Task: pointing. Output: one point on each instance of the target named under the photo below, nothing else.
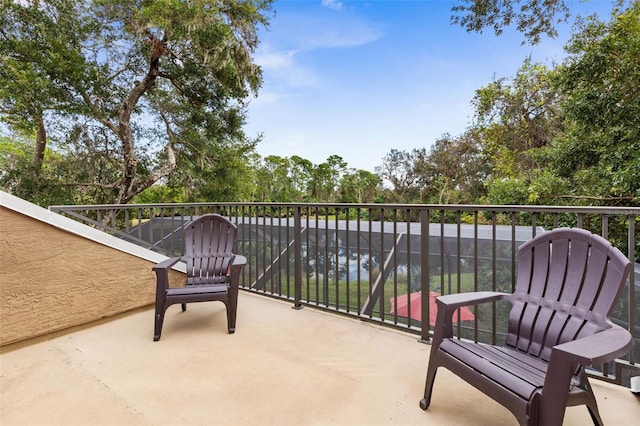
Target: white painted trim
(26, 208)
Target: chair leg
(595, 415)
(585, 396)
(428, 388)
(232, 303)
(592, 406)
(231, 319)
(184, 307)
(158, 323)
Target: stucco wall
(51, 279)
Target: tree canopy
(600, 152)
(570, 134)
(533, 18)
(133, 89)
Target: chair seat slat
(489, 365)
(197, 289)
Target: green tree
(134, 89)
(359, 186)
(516, 121)
(600, 152)
(159, 193)
(323, 178)
(533, 18)
(43, 184)
(514, 117)
(277, 182)
(301, 176)
(458, 168)
(336, 169)
(321, 184)
(408, 174)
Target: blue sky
(359, 78)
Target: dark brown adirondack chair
(213, 271)
(568, 281)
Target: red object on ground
(401, 305)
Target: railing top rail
(613, 210)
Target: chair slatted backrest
(209, 244)
(568, 281)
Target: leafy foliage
(295, 179)
(406, 172)
(515, 118)
(533, 18)
(600, 152)
(134, 89)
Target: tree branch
(166, 169)
(96, 113)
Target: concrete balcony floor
(281, 367)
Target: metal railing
(375, 261)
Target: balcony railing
(375, 261)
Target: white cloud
(333, 31)
(332, 4)
(357, 33)
(286, 47)
(274, 60)
(281, 66)
(304, 32)
(266, 98)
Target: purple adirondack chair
(567, 284)
(213, 271)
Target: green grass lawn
(343, 291)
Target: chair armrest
(166, 264)
(162, 272)
(234, 277)
(598, 348)
(449, 303)
(235, 267)
(239, 260)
